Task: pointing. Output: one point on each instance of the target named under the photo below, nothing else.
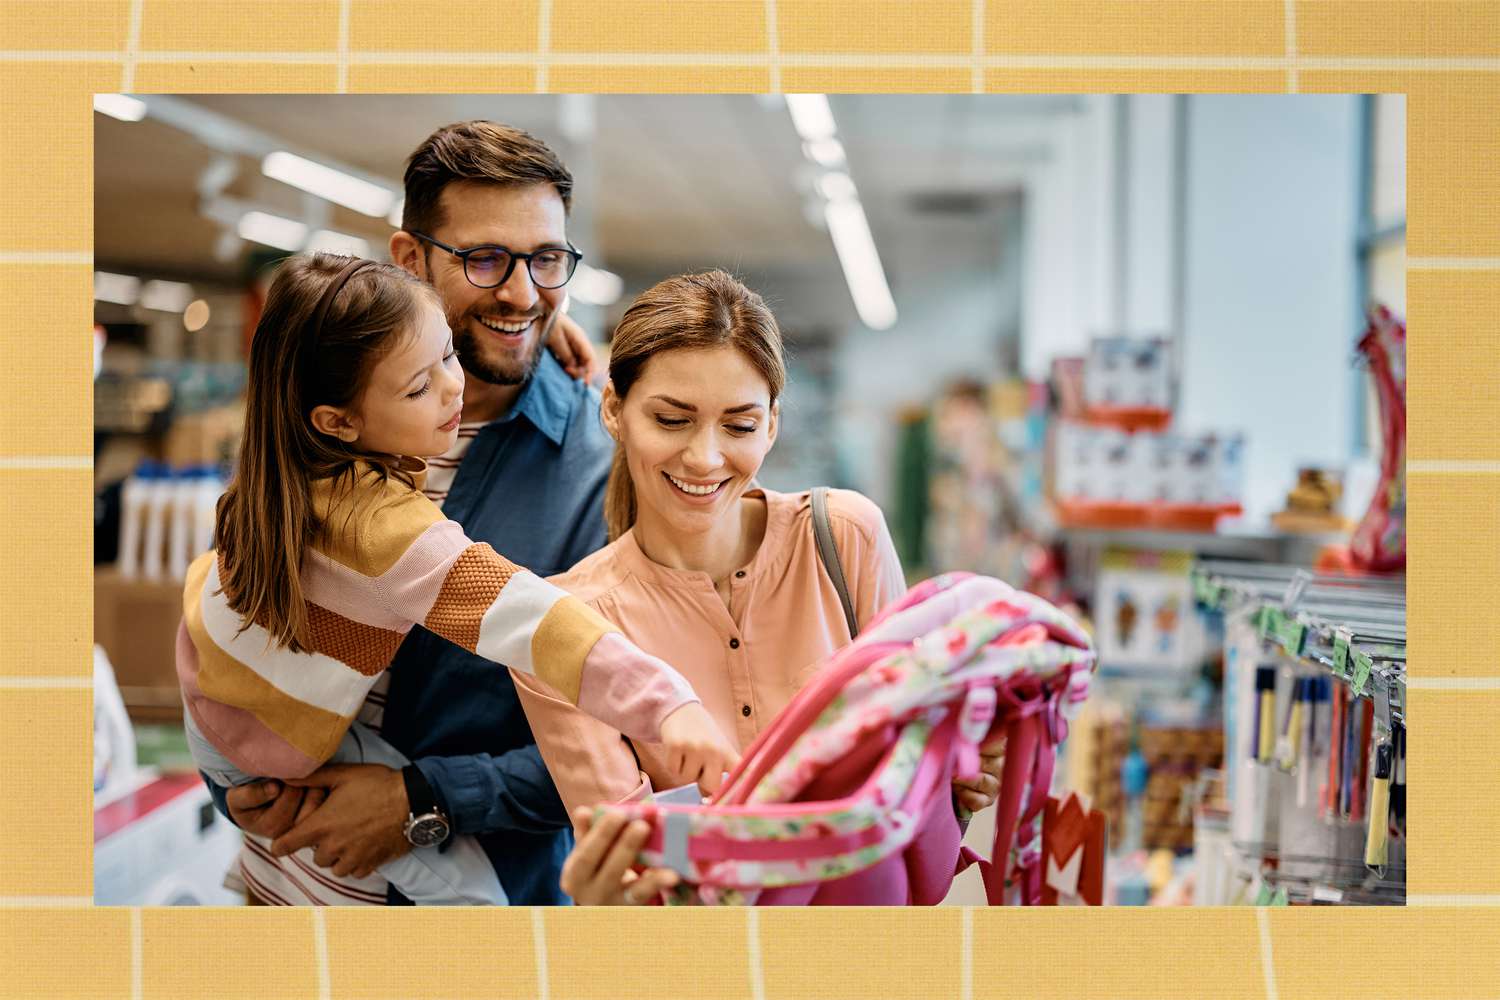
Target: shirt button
(745, 711)
(734, 644)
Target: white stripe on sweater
(311, 678)
(509, 624)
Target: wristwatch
(426, 826)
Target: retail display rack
(1353, 626)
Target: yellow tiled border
(1445, 55)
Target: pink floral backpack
(845, 798)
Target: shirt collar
(547, 399)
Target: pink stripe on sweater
(400, 596)
(629, 688)
(250, 744)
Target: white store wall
(1270, 281)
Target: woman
(703, 564)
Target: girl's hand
(696, 749)
(981, 792)
(598, 872)
(574, 352)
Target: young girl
(328, 554)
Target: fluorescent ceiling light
(861, 263)
(127, 109)
(824, 152)
(596, 287)
(811, 116)
(166, 296)
(272, 230)
(328, 241)
(120, 289)
(395, 217)
(837, 186)
(328, 183)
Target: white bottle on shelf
(181, 513)
(158, 505)
(207, 490)
(132, 518)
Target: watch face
(427, 831)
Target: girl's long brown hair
(692, 311)
(265, 521)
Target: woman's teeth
(697, 491)
(500, 327)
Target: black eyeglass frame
(463, 256)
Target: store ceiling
(676, 182)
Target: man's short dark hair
(479, 151)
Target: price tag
(1290, 633)
(1341, 652)
(1362, 667)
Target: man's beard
(471, 355)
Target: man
(485, 224)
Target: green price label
(1340, 655)
(1362, 665)
(1280, 898)
(1267, 620)
(1290, 633)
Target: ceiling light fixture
(595, 286)
(272, 231)
(861, 263)
(126, 109)
(166, 296)
(328, 241)
(121, 289)
(328, 183)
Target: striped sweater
(389, 560)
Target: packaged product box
(136, 623)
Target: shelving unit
(1353, 626)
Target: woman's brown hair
(265, 521)
(692, 312)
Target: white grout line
(132, 46)
(855, 60)
(47, 257)
(137, 955)
(17, 463)
(342, 85)
(966, 958)
(752, 951)
(1461, 466)
(539, 943)
(1453, 684)
(28, 902)
(773, 45)
(1263, 918)
(1291, 46)
(543, 45)
(320, 949)
(1453, 900)
(976, 81)
(1453, 263)
(45, 683)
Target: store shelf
(1354, 627)
(1229, 542)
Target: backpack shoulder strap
(828, 554)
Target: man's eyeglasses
(491, 266)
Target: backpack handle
(828, 555)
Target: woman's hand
(573, 350)
(981, 792)
(696, 749)
(598, 872)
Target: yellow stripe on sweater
(562, 642)
(369, 526)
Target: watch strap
(420, 797)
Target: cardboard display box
(136, 623)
